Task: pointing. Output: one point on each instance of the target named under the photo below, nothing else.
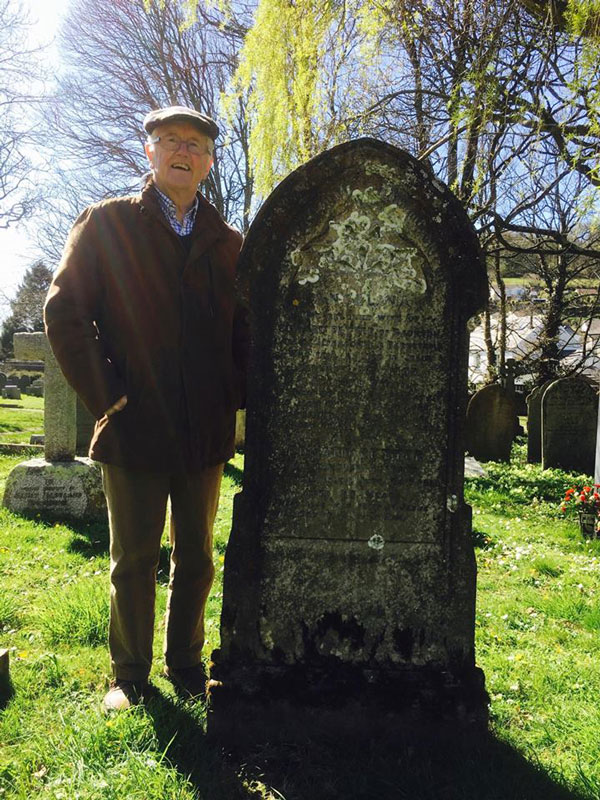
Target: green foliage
(77, 614)
(521, 484)
(278, 75)
(583, 17)
(9, 610)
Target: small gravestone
(350, 575)
(24, 382)
(11, 392)
(569, 424)
(36, 438)
(13, 379)
(36, 388)
(59, 486)
(534, 423)
(3, 380)
(491, 423)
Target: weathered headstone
(350, 574)
(491, 423)
(60, 485)
(36, 388)
(24, 381)
(11, 392)
(569, 424)
(534, 423)
(3, 380)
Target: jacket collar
(208, 226)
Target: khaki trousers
(137, 503)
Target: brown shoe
(125, 694)
(189, 681)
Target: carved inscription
(47, 495)
(360, 341)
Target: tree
(27, 306)
(19, 72)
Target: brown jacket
(131, 311)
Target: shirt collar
(169, 209)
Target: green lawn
(20, 418)
(538, 625)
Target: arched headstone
(350, 571)
(491, 423)
(534, 423)
(569, 422)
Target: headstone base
(247, 703)
(61, 490)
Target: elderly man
(143, 319)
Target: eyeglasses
(172, 143)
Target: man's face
(180, 171)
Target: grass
(20, 418)
(537, 634)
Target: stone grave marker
(350, 574)
(491, 423)
(534, 423)
(3, 380)
(60, 485)
(85, 423)
(569, 424)
(11, 392)
(36, 388)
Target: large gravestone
(569, 423)
(534, 423)
(350, 574)
(491, 423)
(60, 485)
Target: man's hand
(118, 406)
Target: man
(143, 319)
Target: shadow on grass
(235, 473)
(6, 691)
(182, 738)
(433, 764)
(482, 540)
(90, 539)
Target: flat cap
(181, 114)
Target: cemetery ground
(20, 418)
(538, 641)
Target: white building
(522, 335)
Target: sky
(17, 249)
